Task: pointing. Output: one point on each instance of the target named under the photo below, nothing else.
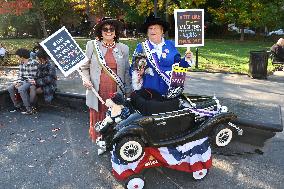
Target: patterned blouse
(46, 79)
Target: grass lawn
(216, 55)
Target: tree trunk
(88, 8)
(42, 23)
(242, 34)
(40, 17)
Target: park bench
(6, 58)
(274, 59)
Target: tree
(16, 7)
(251, 13)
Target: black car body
(175, 122)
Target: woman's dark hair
(41, 54)
(36, 47)
(23, 53)
(98, 32)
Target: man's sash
(154, 63)
(107, 69)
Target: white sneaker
(101, 144)
(101, 151)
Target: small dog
(139, 69)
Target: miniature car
(170, 123)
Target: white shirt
(2, 51)
(158, 48)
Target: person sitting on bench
(26, 76)
(45, 81)
(278, 51)
(2, 52)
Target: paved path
(67, 165)
(51, 150)
(238, 86)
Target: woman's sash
(154, 63)
(108, 70)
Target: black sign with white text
(189, 24)
(64, 51)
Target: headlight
(224, 109)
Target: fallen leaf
(56, 129)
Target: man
(26, 77)
(278, 50)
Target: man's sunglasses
(111, 29)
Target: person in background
(278, 50)
(35, 49)
(2, 52)
(188, 57)
(45, 81)
(116, 57)
(26, 77)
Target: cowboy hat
(106, 20)
(152, 20)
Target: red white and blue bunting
(190, 157)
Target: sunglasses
(111, 29)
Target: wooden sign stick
(93, 89)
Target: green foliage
(228, 55)
(145, 7)
(216, 55)
(253, 13)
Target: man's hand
(88, 84)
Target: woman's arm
(127, 78)
(85, 68)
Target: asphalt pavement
(51, 149)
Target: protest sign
(64, 51)
(189, 27)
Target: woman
(161, 55)
(45, 81)
(107, 70)
(278, 50)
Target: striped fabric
(189, 157)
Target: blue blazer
(170, 55)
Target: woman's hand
(88, 84)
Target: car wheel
(130, 149)
(198, 175)
(223, 135)
(135, 182)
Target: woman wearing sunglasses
(107, 70)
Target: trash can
(258, 64)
